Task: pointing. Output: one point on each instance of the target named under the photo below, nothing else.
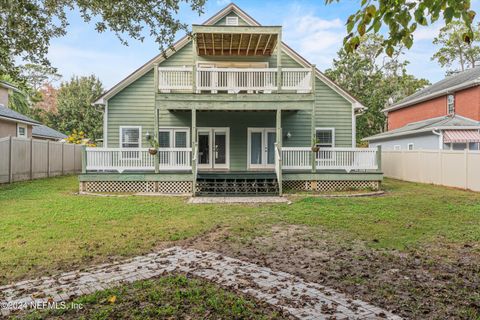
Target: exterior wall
(135, 105)
(4, 96)
(425, 141)
(9, 128)
(467, 104)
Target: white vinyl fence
(459, 169)
(27, 159)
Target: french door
(213, 148)
(261, 148)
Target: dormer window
(232, 21)
(451, 104)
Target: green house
(229, 110)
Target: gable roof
(8, 85)
(450, 84)
(440, 123)
(211, 21)
(47, 132)
(9, 114)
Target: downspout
(440, 138)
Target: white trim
(354, 128)
(211, 134)
(20, 121)
(264, 132)
(130, 127)
(326, 129)
(25, 136)
(172, 131)
(105, 125)
(453, 104)
(185, 40)
(233, 21)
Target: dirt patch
(437, 283)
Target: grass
(46, 227)
(171, 297)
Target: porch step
(237, 184)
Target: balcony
(235, 80)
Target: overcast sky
(312, 28)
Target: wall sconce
(148, 136)
(289, 135)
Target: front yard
(415, 250)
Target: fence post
(31, 158)
(379, 157)
(466, 168)
(63, 160)
(48, 158)
(84, 159)
(10, 160)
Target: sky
(313, 29)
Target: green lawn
(45, 227)
(171, 297)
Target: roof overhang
(461, 136)
(433, 95)
(235, 40)
(19, 120)
(407, 133)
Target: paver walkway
(304, 300)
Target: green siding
(133, 106)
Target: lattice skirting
(330, 185)
(164, 187)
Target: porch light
(148, 136)
(289, 135)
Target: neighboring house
(42, 132)
(5, 90)
(234, 110)
(445, 115)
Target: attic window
(232, 21)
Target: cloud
(315, 38)
(427, 33)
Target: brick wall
(467, 104)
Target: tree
(401, 17)
(453, 50)
(374, 79)
(75, 107)
(28, 26)
(38, 76)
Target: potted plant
(315, 148)
(153, 145)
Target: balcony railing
(349, 159)
(234, 80)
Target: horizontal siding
(133, 106)
(332, 110)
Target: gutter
(406, 133)
(437, 94)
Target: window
(397, 147)
(173, 137)
(232, 21)
(21, 131)
(410, 146)
(451, 104)
(325, 137)
(130, 137)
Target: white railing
(349, 159)
(297, 79)
(175, 158)
(117, 159)
(137, 159)
(297, 158)
(174, 78)
(234, 80)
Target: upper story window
(325, 137)
(21, 131)
(451, 104)
(232, 21)
(130, 137)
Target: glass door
(213, 148)
(261, 148)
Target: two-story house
(230, 110)
(445, 115)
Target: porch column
(156, 114)
(279, 61)
(314, 135)
(194, 149)
(194, 63)
(278, 134)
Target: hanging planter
(315, 149)
(153, 151)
